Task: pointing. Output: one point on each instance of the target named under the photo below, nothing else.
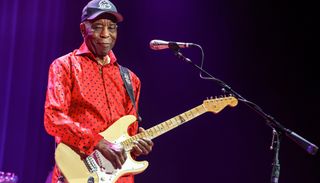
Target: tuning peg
(223, 90)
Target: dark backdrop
(263, 49)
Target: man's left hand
(142, 146)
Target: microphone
(160, 45)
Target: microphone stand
(278, 128)
(275, 146)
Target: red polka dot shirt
(84, 98)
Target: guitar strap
(128, 84)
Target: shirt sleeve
(58, 99)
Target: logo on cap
(103, 4)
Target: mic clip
(174, 46)
(176, 49)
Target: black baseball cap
(96, 8)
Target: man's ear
(83, 29)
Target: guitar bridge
(91, 164)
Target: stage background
(265, 50)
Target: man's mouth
(105, 44)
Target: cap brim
(118, 16)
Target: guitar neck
(165, 126)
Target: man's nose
(105, 32)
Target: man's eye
(97, 27)
(112, 27)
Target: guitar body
(75, 169)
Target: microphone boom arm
(270, 121)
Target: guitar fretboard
(165, 126)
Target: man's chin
(103, 53)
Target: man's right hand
(113, 152)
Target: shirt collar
(84, 50)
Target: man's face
(99, 35)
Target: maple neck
(165, 126)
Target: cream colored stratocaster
(78, 168)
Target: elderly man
(86, 93)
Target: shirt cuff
(89, 148)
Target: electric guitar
(78, 168)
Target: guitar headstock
(216, 104)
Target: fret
(166, 125)
(134, 138)
(179, 119)
(176, 122)
(190, 115)
(161, 127)
(170, 122)
(157, 127)
(154, 132)
(199, 110)
(125, 143)
(140, 135)
(151, 132)
(148, 134)
(145, 134)
(185, 117)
